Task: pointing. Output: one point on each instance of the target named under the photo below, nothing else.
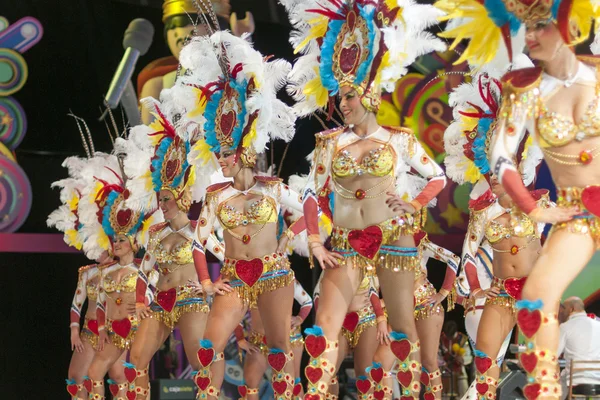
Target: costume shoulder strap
(521, 80)
(268, 180)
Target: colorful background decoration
(15, 188)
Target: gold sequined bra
(378, 162)
(520, 226)
(557, 130)
(180, 254)
(126, 284)
(261, 211)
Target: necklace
(585, 157)
(361, 194)
(514, 250)
(246, 238)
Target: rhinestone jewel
(585, 157)
(514, 249)
(360, 194)
(118, 301)
(246, 239)
(580, 136)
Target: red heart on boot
(429, 396)
(122, 327)
(351, 321)
(529, 321)
(87, 385)
(312, 397)
(130, 374)
(249, 271)
(363, 385)
(366, 242)
(297, 389)
(167, 299)
(514, 287)
(376, 374)
(379, 394)
(202, 382)
(242, 390)
(279, 387)
(401, 348)
(276, 361)
(424, 378)
(114, 389)
(313, 374)
(315, 345)
(528, 361)
(72, 389)
(404, 378)
(532, 391)
(482, 388)
(93, 326)
(407, 398)
(590, 197)
(482, 364)
(205, 356)
(131, 395)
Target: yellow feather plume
(71, 235)
(203, 151)
(318, 28)
(73, 202)
(315, 89)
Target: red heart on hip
(72, 389)
(379, 394)
(205, 356)
(363, 385)
(313, 374)
(529, 321)
(249, 271)
(532, 391)
(351, 321)
(528, 361)
(482, 364)
(167, 299)
(366, 242)
(279, 387)
(276, 361)
(401, 348)
(590, 197)
(404, 378)
(315, 345)
(482, 388)
(376, 374)
(514, 287)
(93, 326)
(122, 327)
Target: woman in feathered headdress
(84, 340)
(558, 103)
(513, 236)
(239, 113)
(107, 225)
(353, 50)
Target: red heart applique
(351, 321)
(122, 327)
(315, 345)
(276, 361)
(401, 348)
(528, 361)
(429, 396)
(529, 321)
(407, 398)
(205, 356)
(425, 378)
(279, 387)
(379, 394)
(363, 385)
(72, 389)
(130, 374)
(249, 271)
(242, 390)
(482, 388)
(376, 374)
(167, 299)
(93, 326)
(514, 287)
(366, 242)
(131, 395)
(532, 391)
(483, 364)
(202, 382)
(87, 385)
(297, 389)
(114, 389)
(404, 378)
(312, 397)
(590, 197)
(313, 374)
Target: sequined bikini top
(378, 162)
(262, 211)
(520, 226)
(180, 254)
(126, 284)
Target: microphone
(136, 42)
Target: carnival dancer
(84, 340)
(353, 49)
(236, 90)
(257, 351)
(513, 236)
